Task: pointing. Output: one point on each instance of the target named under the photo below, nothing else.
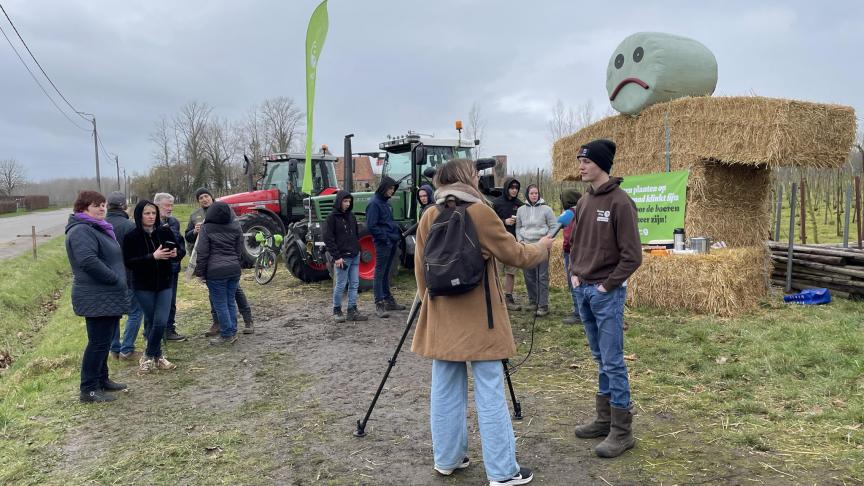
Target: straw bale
(746, 130)
(725, 282)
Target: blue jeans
(223, 297)
(602, 315)
(448, 409)
(172, 326)
(348, 275)
(94, 361)
(130, 331)
(156, 306)
(383, 263)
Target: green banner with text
(660, 200)
(316, 33)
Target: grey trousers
(537, 284)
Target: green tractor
(406, 158)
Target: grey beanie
(116, 199)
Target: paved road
(47, 223)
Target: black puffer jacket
(341, 230)
(506, 206)
(220, 244)
(148, 273)
(98, 274)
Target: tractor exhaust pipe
(349, 164)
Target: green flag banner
(316, 34)
(660, 200)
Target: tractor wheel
(367, 261)
(311, 272)
(251, 223)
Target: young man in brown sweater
(604, 252)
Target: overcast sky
(387, 66)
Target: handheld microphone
(563, 221)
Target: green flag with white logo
(316, 34)
(661, 201)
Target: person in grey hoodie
(99, 292)
(534, 220)
(220, 243)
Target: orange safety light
(458, 124)
(324, 147)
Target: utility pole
(95, 148)
(126, 187)
(117, 162)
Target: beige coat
(455, 328)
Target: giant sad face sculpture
(651, 67)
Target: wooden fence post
(803, 211)
(848, 215)
(777, 212)
(791, 238)
(858, 210)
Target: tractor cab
(284, 172)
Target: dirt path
(280, 407)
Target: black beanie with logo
(601, 152)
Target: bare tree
(191, 123)
(281, 120)
(566, 120)
(476, 125)
(161, 138)
(220, 148)
(11, 176)
(250, 135)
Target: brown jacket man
(454, 328)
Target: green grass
(817, 230)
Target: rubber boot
(620, 436)
(600, 426)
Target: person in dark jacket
(165, 202)
(569, 199)
(426, 197)
(196, 220)
(119, 219)
(220, 243)
(343, 247)
(605, 218)
(99, 292)
(386, 235)
(148, 251)
(506, 205)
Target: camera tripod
(412, 318)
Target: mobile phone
(169, 245)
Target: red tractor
(278, 202)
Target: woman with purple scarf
(98, 290)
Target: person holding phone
(148, 251)
(343, 248)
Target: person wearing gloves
(535, 220)
(148, 251)
(453, 330)
(220, 243)
(606, 218)
(386, 235)
(506, 205)
(343, 247)
(99, 292)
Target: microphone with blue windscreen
(563, 221)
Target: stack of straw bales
(729, 146)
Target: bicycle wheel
(265, 266)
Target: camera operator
(455, 329)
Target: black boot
(600, 426)
(96, 396)
(109, 385)
(392, 305)
(248, 327)
(355, 315)
(511, 303)
(620, 436)
(338, 316)
(381, 309)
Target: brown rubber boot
(600, 426)
(620, 436)
(213, 331)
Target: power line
(40, 84)
(37, 62)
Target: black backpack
(452, 260)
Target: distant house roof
(362, 169)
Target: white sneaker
(524, 476)
(146, 365)
(446, 472)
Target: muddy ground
(280, 407)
